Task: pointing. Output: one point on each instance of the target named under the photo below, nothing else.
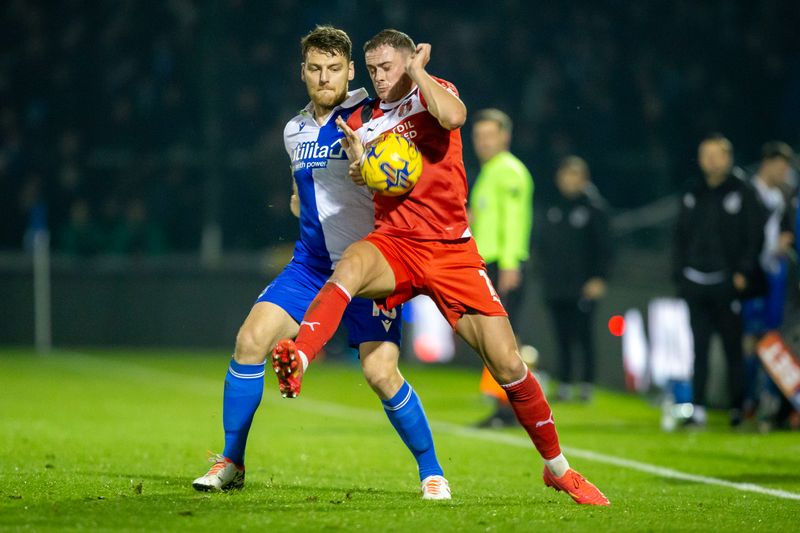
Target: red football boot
(288, 368)
(576, 486)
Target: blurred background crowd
(131, 127)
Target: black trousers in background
(573, 323)
(513, 300)
(721, 315)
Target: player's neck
(405, 92)
(715, 180)
(321, 114)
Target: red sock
(321, 319)
(533, 412)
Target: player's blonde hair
(574, 163)
(327, 39)
(391, 37)
(720, 139)
(494, 115)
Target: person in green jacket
(501, 210)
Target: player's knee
(385, 380)
(350, 269)
(508, 367)
(250, 350)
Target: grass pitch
(111, 440)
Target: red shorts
(452, 273)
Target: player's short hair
(394, 38)
(778, 150)
(573, 162)
(494, 115)
(327, 39)
(720, 139)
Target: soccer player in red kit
(422, 245)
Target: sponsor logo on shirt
(310, 154)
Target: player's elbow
(454, 118)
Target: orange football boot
(574, 484)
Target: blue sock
(244, 385)
(408, 418)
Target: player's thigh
(265, 325)
(493, 338)
(379, 361)
(364, 271)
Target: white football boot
(223, 475)
(435, 488)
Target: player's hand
(785, 243)
(739, 282)
(417, 61)
(508, 280)
(294, 205)
(351, 142)
(594, 289)
(355, 173)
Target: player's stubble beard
(325, 101)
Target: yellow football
(391, 165)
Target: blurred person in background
(718, 239)
(81, 236)
(765, 313)
(136, 233)
(574, 249)
(501, 214)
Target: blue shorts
(298, 284)
(763, 314)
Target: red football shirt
(435, 209)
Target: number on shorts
(391, 314)
(489, 285)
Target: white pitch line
(374, 415)
(589, 455)
(351, 413)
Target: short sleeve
(444, 83)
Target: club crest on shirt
(404, 108)
(578, 217)
(732, 203)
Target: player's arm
(516, 201)
(448, 108)
(595, 286)
(294, 200)
(679, 242)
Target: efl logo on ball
(391, 165)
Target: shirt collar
(388, 106)
(353, 97)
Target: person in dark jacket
(718, 239)
(574, 253)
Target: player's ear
(303, 71)
(351, 71)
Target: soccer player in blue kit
(334, 212)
